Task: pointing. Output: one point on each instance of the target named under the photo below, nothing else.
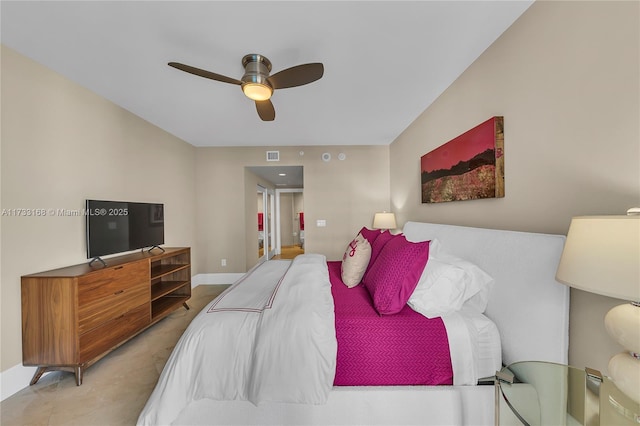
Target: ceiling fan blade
(204, 73)
(266, 111)
(297, 76)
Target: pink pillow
(395, 274)
(370, 234)
(378, 244)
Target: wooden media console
(73, 316)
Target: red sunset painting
(471, 166)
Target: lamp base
(623, 324)
(624, 369)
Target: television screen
(118, 226)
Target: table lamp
(602, 255)
(384, 220)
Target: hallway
(289, 252)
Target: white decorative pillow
(448, 283)
(355, 261)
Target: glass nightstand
(534, 393)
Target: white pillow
(448, 283)
(355, 261)
(439, 291)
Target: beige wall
(344, 193)
(565, 77)
(62, 144)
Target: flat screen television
(119, 226)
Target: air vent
(273, 155)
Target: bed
(219, 377)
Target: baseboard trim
(214, 279)
(15, 379)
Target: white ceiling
(385, 61)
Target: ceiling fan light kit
(257, 91)
(257, 84)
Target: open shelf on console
(165, 305)
(170, 283)
(162, 288)
(160, 270)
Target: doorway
(280, 232)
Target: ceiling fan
(256, 82)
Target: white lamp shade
(602, 255)
(384, 220)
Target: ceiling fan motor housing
(256, 69)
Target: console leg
(78, 371)
(186, 306)
(39, 372)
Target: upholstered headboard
(530, 308)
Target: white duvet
(269, 337)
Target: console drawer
(105, 282)
(112, 306)
(112, 333)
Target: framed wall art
(468, 167)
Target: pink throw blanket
(401, 349)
